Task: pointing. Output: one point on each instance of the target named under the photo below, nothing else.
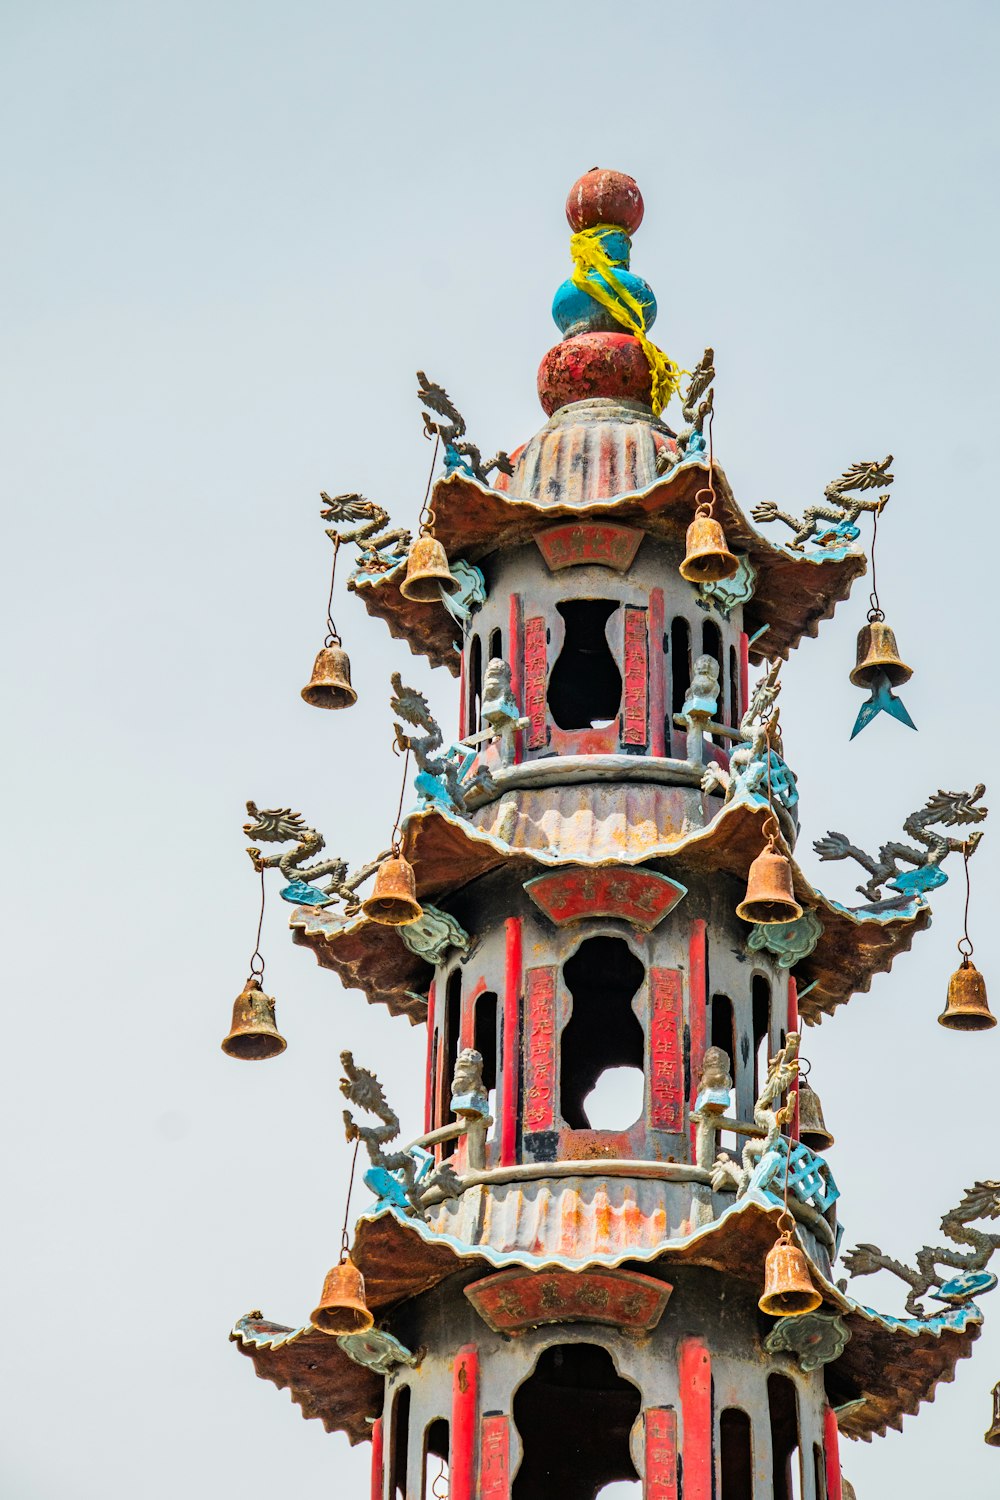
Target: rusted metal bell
(342, 1307)
(967, 1008)
(708, 557)
(812, 1127)
(393, 900)
(770, 896)
(993, 1436)
(330, 683)
(253, 1035)
(427, 572)
(788, 1287)
(878, 652)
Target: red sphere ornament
(604, 197)
(594, 364)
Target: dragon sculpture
(697, 406)
(378, 549)
(759, 727)
(947, 808)
(781, 1073)
(361, 1088)
(458, 453)
(438, 773)
(982, 1201)
(277, 825)
(843, 506)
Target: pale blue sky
(233, 231)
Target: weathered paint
(495, 1445)
(697, 1009)
(661, 1454)
(511, 1041)
(429, 1079)
(535, 677)
(378, 1459)
(636, 679)
(641, 897)
(596, 542)
(666, 1050)
(657, 674)
(831, 1454)
(464, 1406)
(515, 650)
(793, 1025)
(516, 1300)
(540, 1049)
(744, 673)
(694, 1368)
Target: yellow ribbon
(595, 274)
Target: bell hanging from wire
(770, 896)
(707, 556)
(427, 572)
(992, 1437)
(342, 1306)
(967, 1008)
(878, 653)
(788, 1287)
(393, 900)
(330, 683)
(812, 1127)
(253, 1035)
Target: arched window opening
(437, 1451)
(474, 686)
(736, 1455)
(574, 1415)
(451, 1027)
(496, 645)
(484, 1039)
(680, 666)
(783, 1408)
(585, 685)
(734, 689)
(819, 1468)
(603, 1033)
(761, 993)
(711, 645)
(723, 1034)
(399, 1443)
(621, 1489)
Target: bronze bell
(393, 900)
(788, 1287)
(342, 1307)
(877, 652)
(770, 896)
(967, 1008)
(812, 1127)
(708, 557)
(427, 572)
(330, 683)
(993, 1436)
(253, 1035)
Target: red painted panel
(695, 1380)
(636, 714)
(831, 1448)
(661, 1454)
(535, 673)
(496, 1458)
(512, 1301)
(429, 1095)
(464, 1402)
(378, 1456)
(589, 542)
(514, 649)
(744, 673)
(657, 675)
(793, 1025)
(511, 1041)
(540, 1053)
(666, 1077)
(641, 897)
(697, 1007)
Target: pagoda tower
(556, 1306)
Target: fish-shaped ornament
(880, 669)
(882, 700)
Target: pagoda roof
(558, 827)
(887, 1369)
(794, 591)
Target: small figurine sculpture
(782, 1072)
(457, 454)
(760, 740)
(500, 709)
(843, 507)
(947, 808)
(374, 556)
(703, 690)
(716, 1083)
(468, 1092)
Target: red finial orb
(601, 196)
(594, 364)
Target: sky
(233, 231)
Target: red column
(464, 1400)
(431, 1080)
(377, 1459)
(657, 675)
(511, 1042)
(695, 1379)
(744, 674)
(540, 1050)
(661, 1454)
(793, 1025)
(496, 1458)
(697, 1008)
(515, 650)
(831, 1447)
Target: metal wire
(256, 957)
(332, 633)
(874, 610)
(706, 508)
(965, 942)
(394, 841)
(441, 1478)
(425, 521)
(345, 1243)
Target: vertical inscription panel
(496, 1459)
(636, 719)
(661, 1454)
(535, 672)
(540, 1050)
(666, 1030)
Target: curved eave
(428, 629)
(318, 1375)
(448, 852)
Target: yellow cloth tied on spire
(595, 274)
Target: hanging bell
(878, 652)
(427, 572)
(342, 1307)
(993, 1435)
(393, 900)
(253, 1035)
(707, 557)
(788, 1287)
(967, 1008)
(770, 896)
(812, 1127)
(330, 683)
